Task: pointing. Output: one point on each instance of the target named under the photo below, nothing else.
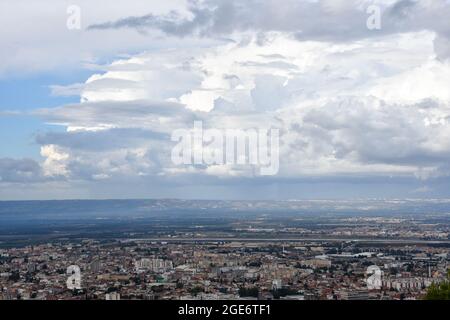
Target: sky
(91, 93)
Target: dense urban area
(219, 270)
(237, 255)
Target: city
(224, 158)
(260, 256)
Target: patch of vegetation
(439, 291)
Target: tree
(439, 291)
(15, 276)
(248, 292)
(196, 290)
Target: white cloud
(344, 109)
(347, 102)
(55, 161)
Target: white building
(154, 265)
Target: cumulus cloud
(350, 103)
(342, 108)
